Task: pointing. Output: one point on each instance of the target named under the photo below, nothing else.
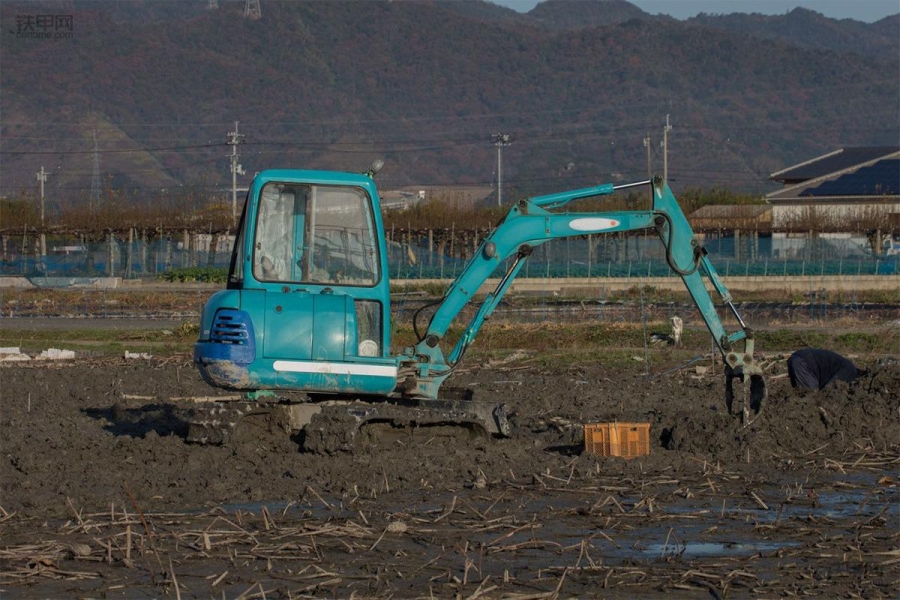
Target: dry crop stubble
(813, 510)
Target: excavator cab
(307, 302)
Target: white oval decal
(592, 224)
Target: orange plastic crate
(617, 439)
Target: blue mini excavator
(303, 327)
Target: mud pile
(794, 422)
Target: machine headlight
(368, 348)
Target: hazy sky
(861, 10)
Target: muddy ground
(102, 496)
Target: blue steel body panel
(232, 337)
(289, 326)
(261, 374)
(330, 325)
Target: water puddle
(831, 504)
(707, 549)
(531, 524)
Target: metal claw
(753, 395)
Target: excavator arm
(531, 223)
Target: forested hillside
(424, 84)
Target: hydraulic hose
(670, 260)
(420, 337)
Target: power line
(120, 151)
(563, 129)
(747, 94)
(150, 170)
(346, 147)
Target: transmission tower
(252, 10)
(212, 5)
(233, 139)
(95, 175)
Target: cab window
(315, 234)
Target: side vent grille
(229, 328)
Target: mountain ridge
(334, 85)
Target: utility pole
(233, 139)
(500, 140)
(649, 162)
(95, 176)
(42, 178)
(666, 131)
(649, 159)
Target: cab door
(315, 252)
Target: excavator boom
(531, 223)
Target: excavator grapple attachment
(753, 391)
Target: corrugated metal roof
(839, 160)
(877, 180)
(881, 178)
